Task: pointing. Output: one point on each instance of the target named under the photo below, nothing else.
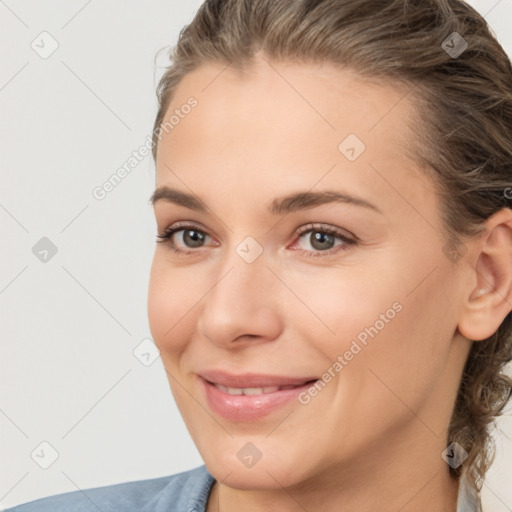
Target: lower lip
(248, 407)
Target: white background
(70, 325)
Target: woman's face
(312, 250)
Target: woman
(366, 374)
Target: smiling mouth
(258, 391)
(250, 396)
(252, 402)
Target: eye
(321, 238)
(191, 235)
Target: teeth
(251, 391)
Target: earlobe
(490, 300)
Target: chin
(269, 472)
(260, 477)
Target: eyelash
(347, 242)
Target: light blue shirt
(182, 492)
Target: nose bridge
(244, 266)
(240, 301)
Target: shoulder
(182, 491)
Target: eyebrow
(290, 203)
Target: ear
(489, 302)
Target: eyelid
(171, 230)
(320, 226)
(183, 224)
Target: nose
(242, 305)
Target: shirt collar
(469, 499)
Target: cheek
(405, 361)
(341, 306)
(380, 327)
(171, 300)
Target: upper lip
(251, 380)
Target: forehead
(276, 124)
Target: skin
(372, 438)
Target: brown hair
(464, 126)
